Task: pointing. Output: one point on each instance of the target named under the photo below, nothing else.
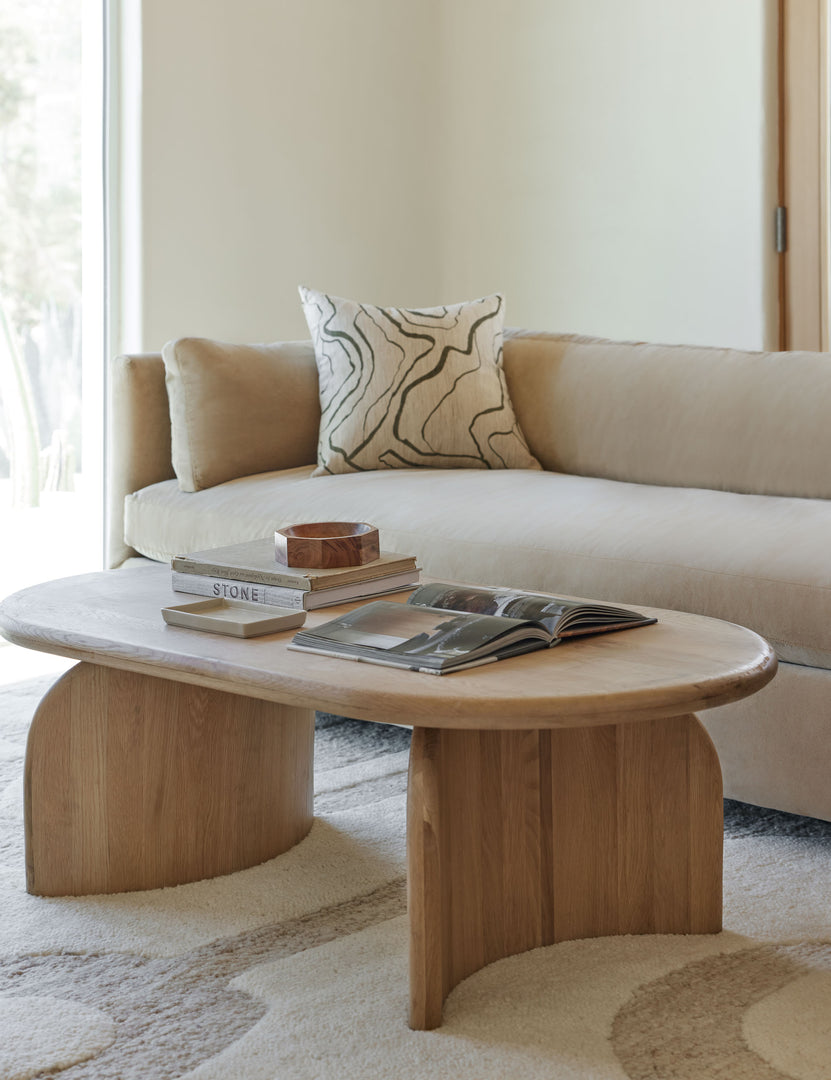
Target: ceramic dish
(235, 617)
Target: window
(51, 289)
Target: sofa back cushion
(684, 416)
(240, 409)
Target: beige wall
(605, 164)
(283, 142)
(610, 164)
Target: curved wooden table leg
(518, 839)
(136, 782)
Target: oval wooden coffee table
(562, 794)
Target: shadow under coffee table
(566, 793)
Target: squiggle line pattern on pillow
(412, 388)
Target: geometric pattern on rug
(172, 1013)
(43, 1032)
(692, 1024)
(245, 978)
(563, 1011)
(133, 1015)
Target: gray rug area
(297, 969)
(743, 820)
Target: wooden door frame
(803, 173)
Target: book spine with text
(249, 574)
(182, 564)
(229, 589)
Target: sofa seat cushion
(761, 561)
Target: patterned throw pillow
(406, 389)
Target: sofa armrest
(138, 440)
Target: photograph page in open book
(444, 628)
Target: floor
(60, 537)
(18, 664)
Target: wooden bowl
(324, 544)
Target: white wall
(283, 142)
(611, 165)
(607, 165)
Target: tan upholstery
(680, 477)
(138, 451)
(677, 415)
(773, 746)
(763, 562)
(239, 409)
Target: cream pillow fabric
(412, 388)
(239, 409)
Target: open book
(444, 628)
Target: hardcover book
(444, 628)
(255, 561)
(301, 599)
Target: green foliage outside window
(40, 244)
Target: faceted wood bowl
(324, 544)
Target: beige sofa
(680, 477)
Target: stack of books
(250, 571)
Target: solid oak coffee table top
(678, 665)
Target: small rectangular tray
(236, 617)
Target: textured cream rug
(298, 968)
